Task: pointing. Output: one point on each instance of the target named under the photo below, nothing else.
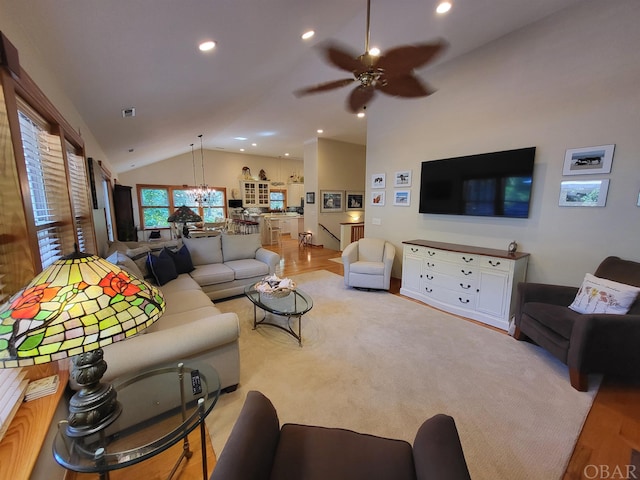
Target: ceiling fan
(390, 73)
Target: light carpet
(381, 364)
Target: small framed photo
(355, 201)
(377, 199)
(402, 198)
(402, 179)
(310, 198)
(588, 160)
(586, 193)
(378, 180)
(332, 200)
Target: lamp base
(95, 405)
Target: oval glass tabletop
(158, 410)
(297, 303)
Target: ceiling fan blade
(404, 86)
(401, 60)
(343, 58)
(323, 87)
(359, 98)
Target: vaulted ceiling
(113, 55)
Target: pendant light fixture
(202, 194)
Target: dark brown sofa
(258, 449)
(586, 343)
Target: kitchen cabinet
(254, 194)
(295, 194)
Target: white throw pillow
(599, 295)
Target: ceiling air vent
(128, 112)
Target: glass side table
(159, 408)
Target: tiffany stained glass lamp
(183, 215)
(73, 308)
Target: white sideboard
(473, 282)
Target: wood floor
(612, 429)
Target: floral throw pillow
(599, 295)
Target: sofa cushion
(368, 268)
(183, 282)
(238, 247)
(139, 256)
(321, 453)
(370, 249)
(181, 259)
(248, 268)
(212, 274)
(204, 250)
(556, 318)
(229, 334)
(125, 263)
(599, 295)
(180, 302)
(161, 267)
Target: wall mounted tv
(489, 184)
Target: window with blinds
(50, 191)
(80, 200)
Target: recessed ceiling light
(360, 114)
(254, 144)
(375, 51)
(242, 149)
(206, 46)
(307, 35)
(129, 112)
(286, 154)
(239, 138)
(443, 7)
(320, 130)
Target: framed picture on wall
(311, 198)
(583, 193)
(378, 180)
(588, 160)
(402, 179)
(332, 200)
(355, 201)
(402, 198)
(377, 199)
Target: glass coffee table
(294, 305)
(160, 407)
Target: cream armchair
(367, 263)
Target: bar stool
(304, 238)
(273, 227)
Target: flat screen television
(494, 184)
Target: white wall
(340, 167)
(222, 169)
(569, 81)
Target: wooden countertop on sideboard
(492, 252)
(21, 445)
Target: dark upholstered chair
(258, 449)
(587, 343)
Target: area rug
(381, 364)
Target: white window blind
(48, 186)
(80, 200)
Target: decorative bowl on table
(275, 287)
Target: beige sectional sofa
(192, 327)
